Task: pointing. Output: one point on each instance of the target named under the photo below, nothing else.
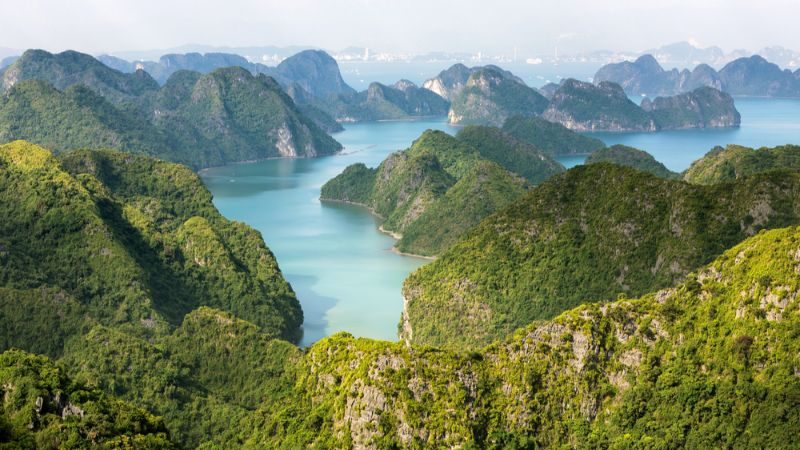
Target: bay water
(342, 268)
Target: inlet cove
(343, 268)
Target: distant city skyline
(572, 26)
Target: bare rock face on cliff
(490, 97)
(584, 106)
(751, 76)
(645, 76)
(450, 82)
(704, 107)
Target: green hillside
(623, 155)
(75, 118)
(70, 101)
(70, 68)
(734, 161)
(591, 234)
(490, 96)
(431, 193)
(551, 138)
(102, 237)
(517, 156)
(709, 363)
(43, 408)
(165, 319)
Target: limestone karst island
(375, 225)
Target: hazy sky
(534, 26)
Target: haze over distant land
(571, 26)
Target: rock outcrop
(704, 107)
(490, 96)
(583, 106)
(450, 82)
(751, 76)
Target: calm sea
(345, 275)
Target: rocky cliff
(751, 76)
(450, 82)
(585, 106)
(489, 97)
(582, 106)
(69, 68)
(432, 193)
(716, 354)
(400, 101)
(645, 76)
(703, 107)
(595, 232)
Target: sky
(414, 26)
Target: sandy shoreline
(394, 235)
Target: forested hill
(116, 239)
(590, 234)
(165, 321)
(440, 187)
(70, 100)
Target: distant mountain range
(432, 193)
(688, 54)
(172, 108)
(489, 95)
(751, 76)
(262, 53)
(71, 100)
(313, 70)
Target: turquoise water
(345, 275)
(341, 267)
(765, 122)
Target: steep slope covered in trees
(587, 235)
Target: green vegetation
(204, 379)
(230, 115)
(584, 106)
(109, 261)
(102, 237)
(225, 116)
(71, 68)
(490, 96)
(734, 161)
(623, 155)
(75, 118)
(42, 408)
(442, 186)
(593, 233)
(551, 138)
(704, 107)
(517, 156)
(113, 264)
(400, 101)
(710, 363)
(486, 188)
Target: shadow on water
(315, 307)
